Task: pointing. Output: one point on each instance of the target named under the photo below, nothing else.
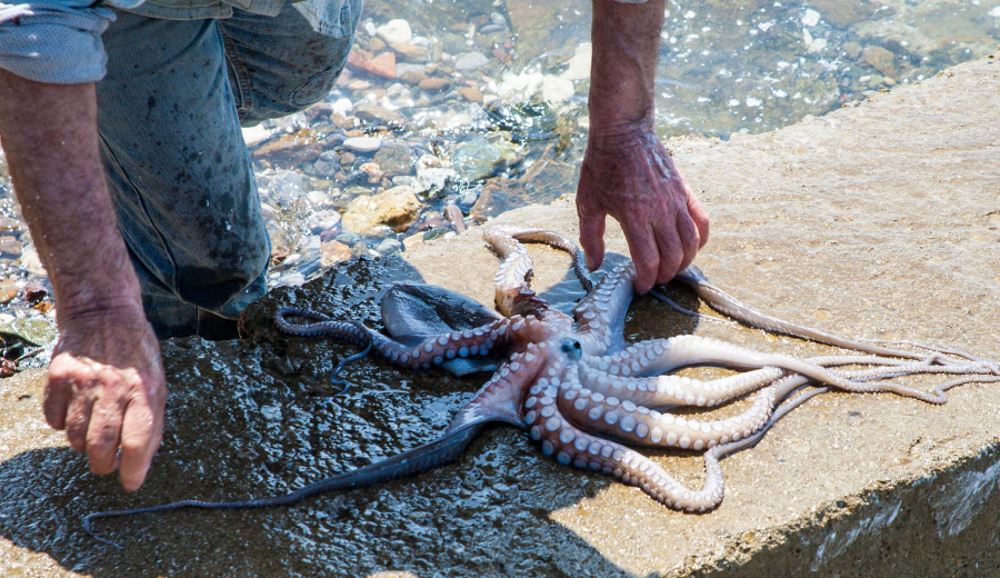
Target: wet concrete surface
(879, 220)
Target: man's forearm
(49, 134)
(626, 41)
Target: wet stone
(470, 61)
(10, 246)
(327, 164)
(475, 159)
(323, 221)
(8, 291)
(333, 252)
(880, 59)
(395, 159)
(394, 31)
(35, 292)
(9, 225)
(363, 144)
(373, 112)
(434, 84)
(382, 65)
(471, 94)
(395, 208)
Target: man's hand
(106, 385)
(106, 389)
(631, 177)
(626, 172)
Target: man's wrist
(626, 42)
(617, 136)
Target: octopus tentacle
(677, 390)
(606, 377)
(640, 425)
(687, 350)
(499, 399)
(728, 305)
(570, 445)
(557, 241)
(600, 316)
(512, 294)
(627, 419)
(439, 452)
(433, 351)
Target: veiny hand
(630, 176)
(106, 388)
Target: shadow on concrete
(256, 417)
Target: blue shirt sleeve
(55, 41)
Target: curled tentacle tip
(87, 527)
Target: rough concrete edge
(851, 535)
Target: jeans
(180, 175)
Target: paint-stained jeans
(170, 111)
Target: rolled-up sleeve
(55, 41)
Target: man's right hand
(106, 389)
(106, 384)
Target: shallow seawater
(479, 106)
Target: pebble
(323, 221)
(10, 246)
(397, 208)
(455, 217)
(471, 94)
(332, 252)
(395, 159)
(389, 246)
(317, 197)
(434, 84)
(410, 51)
(327, 164)
(880, 59)
(470, 61)
(475, 159)
(810, 18)
(342, 106)
(373, 171)
(8, 291)
(363, 144)
(578, 67)
(557, 89)
(9, 225)
(395, 31)
(374, 112)
(382, 65)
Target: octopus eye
(572, 348)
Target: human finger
(690, 241)
(140, 437)
(669, 246)
(700, 218)
(78, 417)
(58, 390)
(105, 427)
(642, 247)
(592, 224)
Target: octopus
(584, 395)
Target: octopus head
(571, 348)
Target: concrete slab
(879, 220)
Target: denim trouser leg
(170, 110)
